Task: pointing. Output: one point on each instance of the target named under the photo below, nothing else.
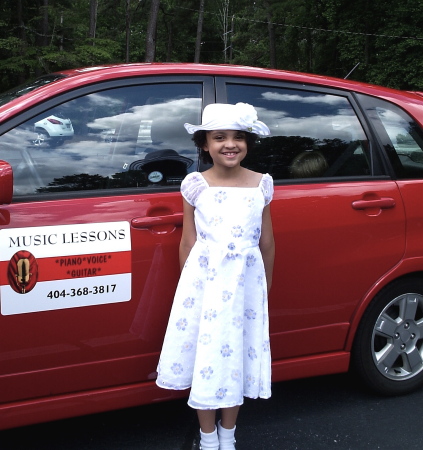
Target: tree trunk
(128, 30)
(224, 11)
(22, 76)
(93, 19)
(42, 37)
(44, 25)
(271, 30)
(199, 32)
(150, 47)
(231, 50)
(169, 42)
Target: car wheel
(388, 347)
(42, 139)
(56, 142)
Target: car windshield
(29, 86)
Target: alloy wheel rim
(397, 339)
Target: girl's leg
(207, 419)
(226, 428)
(208, 430)
(229, 416)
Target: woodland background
(381, 39)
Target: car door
(89, 245)
(338, 218)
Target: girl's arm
(267, 245)
(189, 235)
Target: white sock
(209, 441)
(226, 437)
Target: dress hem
(226, 405)
(171, 387)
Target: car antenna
(352, 70)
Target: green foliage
(327, 37)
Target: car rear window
(400, 135)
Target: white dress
(217, 339)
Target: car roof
(74, 78)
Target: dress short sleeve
(192, 186)
(267, 188)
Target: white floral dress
(217, 339)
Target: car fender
(404, 268)
(39, 129)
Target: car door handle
(151, 221)
(382, 203)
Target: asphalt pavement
(331, 412)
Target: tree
(199, 32)
(93, 18)
(150, 46)
(224, 16)
(328, 37)
(271, 30)
(250, 37)
(127, 29)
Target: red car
(90, 227)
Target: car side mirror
(6, 183)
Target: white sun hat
(223, 116)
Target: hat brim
(258, 127)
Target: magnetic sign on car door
(65, 266)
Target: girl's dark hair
(200, 139)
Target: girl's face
(226, 147)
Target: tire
(56, 142)
(388, 348)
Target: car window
(124, 137)
(313, 134)
(400, 135)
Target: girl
(217, 340)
